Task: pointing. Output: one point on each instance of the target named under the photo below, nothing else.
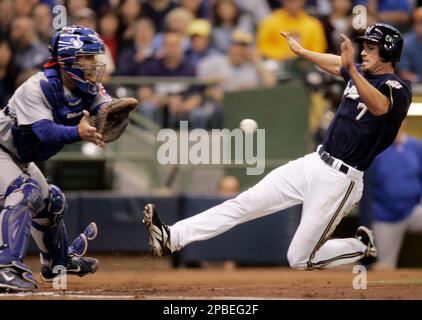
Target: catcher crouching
(63, 104)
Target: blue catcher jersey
(38, 103)
(66, 107)
(397, 180)
(355, 135)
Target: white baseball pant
(10, 170)
(327, 196)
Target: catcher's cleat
(366, 236)
(78, 266)
(16, 277)
(159, 233)
(79, 246)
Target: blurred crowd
(230, 44)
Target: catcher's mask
(71, 43)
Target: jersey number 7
(364, 108)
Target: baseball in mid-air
(90, 149)
(248, 125)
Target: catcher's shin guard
(49, 231)
(70, 259)
(23, 201)
(79, 246)
(55, 252)
(52, 243)
(159, 233)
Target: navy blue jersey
(355, 135)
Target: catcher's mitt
(113, 118)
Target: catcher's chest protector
(66, 110)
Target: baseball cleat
(16, 277)
(366, 236)
(78, 266)
(159, 233)
(80, 245)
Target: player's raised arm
(376, 102)
(328, 62)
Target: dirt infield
(148, 278)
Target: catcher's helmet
(69, 43)
(389, 39)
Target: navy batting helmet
(389, 39)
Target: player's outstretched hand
(293, 44)
(88, 132)
(347, 52)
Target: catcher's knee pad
(23, 199)
(55, 208)
(24, 191)
(57, 203)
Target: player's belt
(325, 156)
(7, 113)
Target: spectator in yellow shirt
(294, 19)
